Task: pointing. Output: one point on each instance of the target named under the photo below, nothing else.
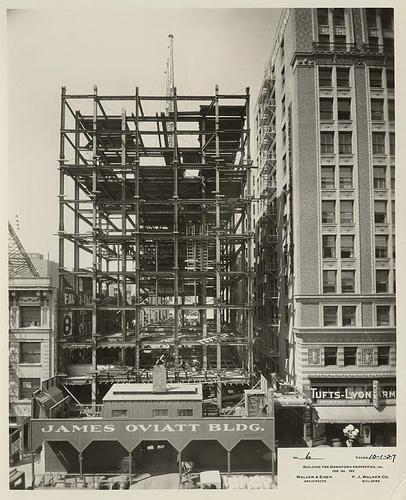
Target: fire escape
(267, 233)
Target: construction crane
(170, 87)
(19, 263)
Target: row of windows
(348, 281)
(347, 315)
(328, 211)
(341, 77)
(157, 412)
(328, 180)
(345, 142)
(344, 109)
(373, 17)
(350, 356)
(347, 246)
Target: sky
(117, 50)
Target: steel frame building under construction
(155, 240)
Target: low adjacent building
(32, 306)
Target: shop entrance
(205, 454)
(154, 457)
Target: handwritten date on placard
(383, 456)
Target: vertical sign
(375, 393)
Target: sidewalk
(26, 466)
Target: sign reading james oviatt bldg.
(227, 431)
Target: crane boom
(170, 86)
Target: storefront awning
(354, 414)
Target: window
(28, 386)
(345, 142)
(348, 281)
(328, 212)
(347, 246)
(284, 134)
(393, 211)
(119, 413)
(392, 143)
(388, 45)
(322, 17)
(349, 315)
(30, 352)
(327, 177)
(284, 164)
(283, 105)
(30, 316)
(338, 18)
(373, 43)
(378, 142)
(392, 178)
(340, 42)
(346, 177)
(329, 281)
(376, 109)
(393, 246)
(343, 77)
(325, 77)
(344, 109)
(327, 142)
(375, 77)
(350, 356)
(330, 356)
(283, 75)
(391, 110)
(379, 177)
(380, 211)
(326, 109)
(383, 315)
(371, 18)
(394, 281)
(383, 355)
(390, 79)
(329, 246)
(324, 42)
(346, 212)
(381, 246)
(382, 281)
(159, 412)
(387, 19)
(185, 412)
(330, 315)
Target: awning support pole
(130, 467)
(180, 466)
(80, 465)
(33, 469)
(228, 462)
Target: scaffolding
(155, 239)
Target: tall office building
(325, 238)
